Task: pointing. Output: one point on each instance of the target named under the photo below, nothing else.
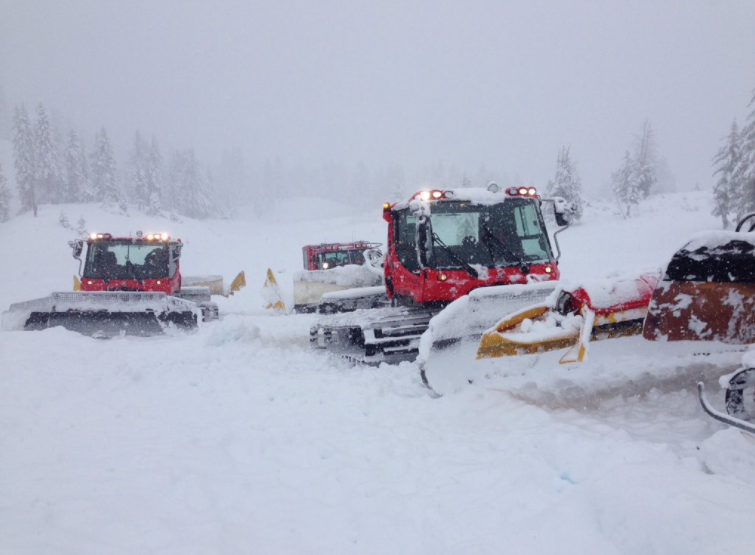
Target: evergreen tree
(5, 118)
(76, 171)
(4, 197)
(567, 183)
(81, 227)
(744, 173)
(104, 176)
(154, 176)
(190, 186)
(727, 189)
(23, 151)
(626, 186)
(46, 159)
(645, 160)
(137, 184)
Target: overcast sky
(504, 83)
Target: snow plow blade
(338, 289)
(573, 319)
(450, 342)
(273, 294)
(104, 314)
(567, 319)
(215, 284)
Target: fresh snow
(238, 438)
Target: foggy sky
(500, 83)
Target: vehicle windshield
(328, 260)
(126, 260)
(509, 233)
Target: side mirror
(176, 252)
(77, 247)
(563, 211)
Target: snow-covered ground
(240, 439)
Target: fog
(504, 84)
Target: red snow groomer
(327, 256)
(444, 244)
(128, 285)
(485, 247)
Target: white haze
(407, 83)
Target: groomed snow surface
(238, 438)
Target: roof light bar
(157, 237)
(521, 192)
(433, 194)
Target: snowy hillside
(240, 439)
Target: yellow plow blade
(238, 282)
(271, 293)
(505, 340)
(495, 345)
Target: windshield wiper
(452, 255)
(503, 249)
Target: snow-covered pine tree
(626, 186)
(727, 188)
(5, 117)
(46, 159)
(744, 174)
(4, 197)
(190, 186)
(23, 153)
(567, 183)
(81, 227)
(104, 176)
(645, 160)
(60, 162)
(76, 170)
(136, 185)
(63, 220)
(155, 172)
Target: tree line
(734, 164)
(54, 169)
(634, 180)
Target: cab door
(408, 277)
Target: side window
(526, 221)
(357, 258)
(172, 264)
(404, 234)
(529, 230)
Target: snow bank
(350, 275)
(238, 435)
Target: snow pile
(350, 275)
(730, 452)
(713, 239)
(239, 435)
(231, 329)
